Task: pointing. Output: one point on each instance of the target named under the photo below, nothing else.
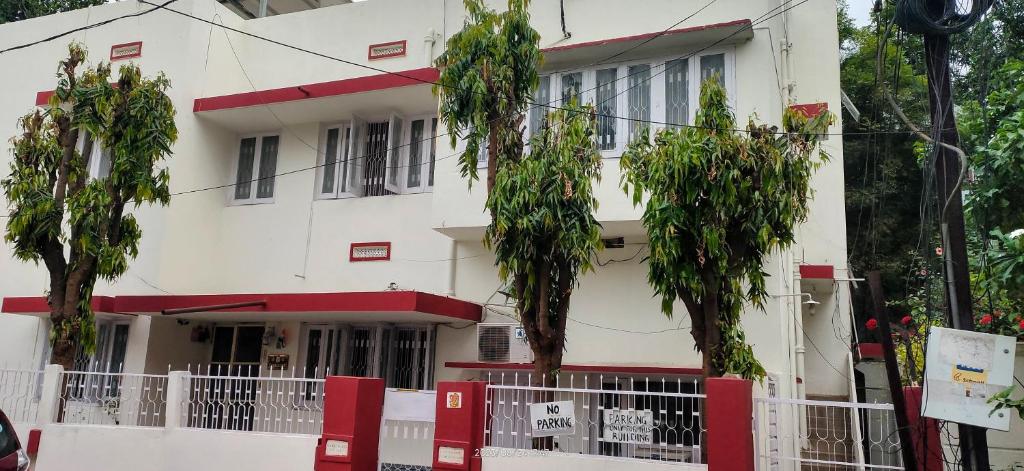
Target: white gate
(792, 434)
(407, 430)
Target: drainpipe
(428, 46)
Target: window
(677, 89)
(572, 87)
(108, 357)
(606, 109)
(97, 157)
(377, 158)
(256, 168)
(632, 96)
(541, 100)
(639, 100)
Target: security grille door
(236, 357)
(376, 153)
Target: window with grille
(97, 157)
(628, 97)
(256, 169)
(377, 158)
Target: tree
(489, 70)
(544, 232)
(77, 225)
(16, 10)
(718, 201)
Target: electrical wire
(88, 27)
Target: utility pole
(892, 372)
(973, 442)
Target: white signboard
(451, 455)
(410, 405)
(963, 370)
(629, 426)
(549, 419)
(336, 448)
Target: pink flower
(1021, 326)
(906, 320)
(986, 319)
(871, 324)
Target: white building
(365, 269)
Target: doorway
(402, 355)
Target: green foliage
(1002, 400)
(883, 174)
(15, 10)
(59, 215)
(489, 70)
(544, 233)
(718, 202)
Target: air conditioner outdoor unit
(502, 343)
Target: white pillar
(49, 397)
(178, 384)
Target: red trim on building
(810, 110)
(43, 97)
(817, 272)
(374, 301)
(665, 370)
(38, 304)
(133, 55)
(355, 245)
(399, 53)
(646, 36)
(870, 350)
(317, 90)
(729, 412)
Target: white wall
(1006, 449)
(100, 448)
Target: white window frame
(425, 149)
(657, 86)
(342, 165)
(257, 154)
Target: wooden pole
(892, 371)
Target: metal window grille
(606, 108)
(673, 408)
(415, 148)
(330, 160)
(98, 398)
(246, 400)
(19, 394)
(677, 89)
(639, 98)
(268, 166)
(825, 435)
(541, 98)
(572, 86)
(375, 163)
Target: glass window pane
(312, 353)
(268, 167)
(243, 180)
(433, 150)
(330, 161)
(248, 344)
(395, 153)
(541, 98)
(572, 85)
(343, 182)
(222, 339)
(606, 109)
(415, 157)
(104, 168)
(639, 98)
(712, 65)
(677, 92)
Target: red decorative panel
(369, 251)
(386, 50)
(126, 51)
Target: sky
(860, 11)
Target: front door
(402, 355)
(236, 358)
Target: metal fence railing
(794, 434)
(19, 394)
(643, 419)
(97, 398)
(267, 404)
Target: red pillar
(729, 410)
(351, 435)
(459, 430)
(924, 432)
